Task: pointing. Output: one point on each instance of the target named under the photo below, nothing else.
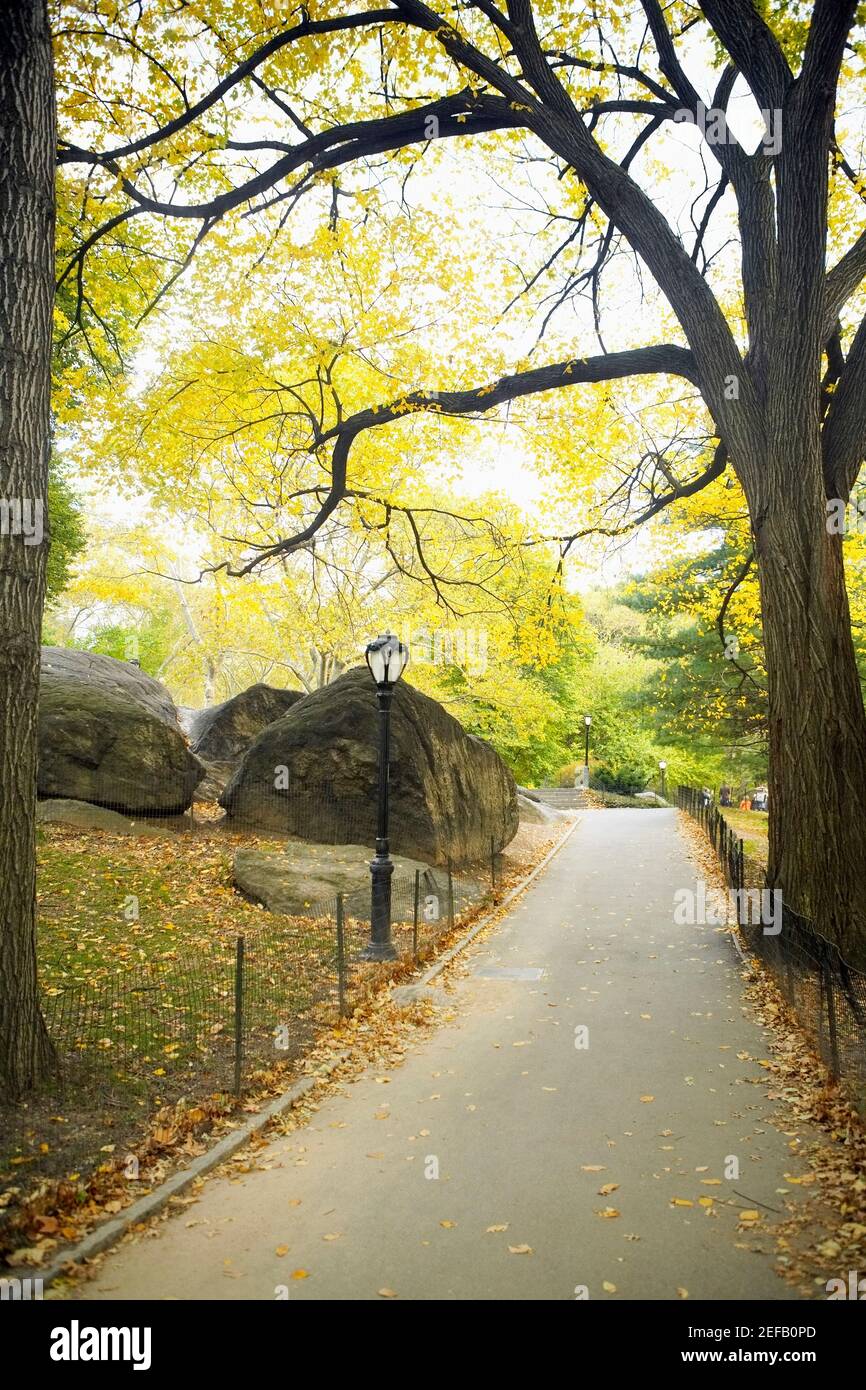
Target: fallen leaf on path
(387, 1293)
(494, 1230)
(520, 1249)
(608, 1286)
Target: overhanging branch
(662, 359)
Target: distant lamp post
(387, 659)
(587, 722)
(663, 767)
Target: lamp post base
(380, 946)
(378, 951)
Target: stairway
(563, 798)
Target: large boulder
(84, 815)
(68, 665)
(304, 880)
(313, 774)
(224, 732)
(533, 812)
(109, 734)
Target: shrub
(626, 780)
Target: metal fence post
(831, 1017)
(341, 957)
(416, 913)
(450, 896)
(239, 1012)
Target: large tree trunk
(27, 145)
(816, 714)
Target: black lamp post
(587, 721)
(663, 769)
(387, 659)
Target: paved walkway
(525, 1127)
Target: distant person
(759, 800)
(746, 803)
(724, 796)
(706, 797)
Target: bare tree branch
(661, 359)
(74, 154)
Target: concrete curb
(110, 1232)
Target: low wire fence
(152, 963)
(229, 1003)
(825, 992)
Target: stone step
(563, 798)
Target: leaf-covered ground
(108, 901)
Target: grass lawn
(108, 902)
(137, 941)
(753, 828)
